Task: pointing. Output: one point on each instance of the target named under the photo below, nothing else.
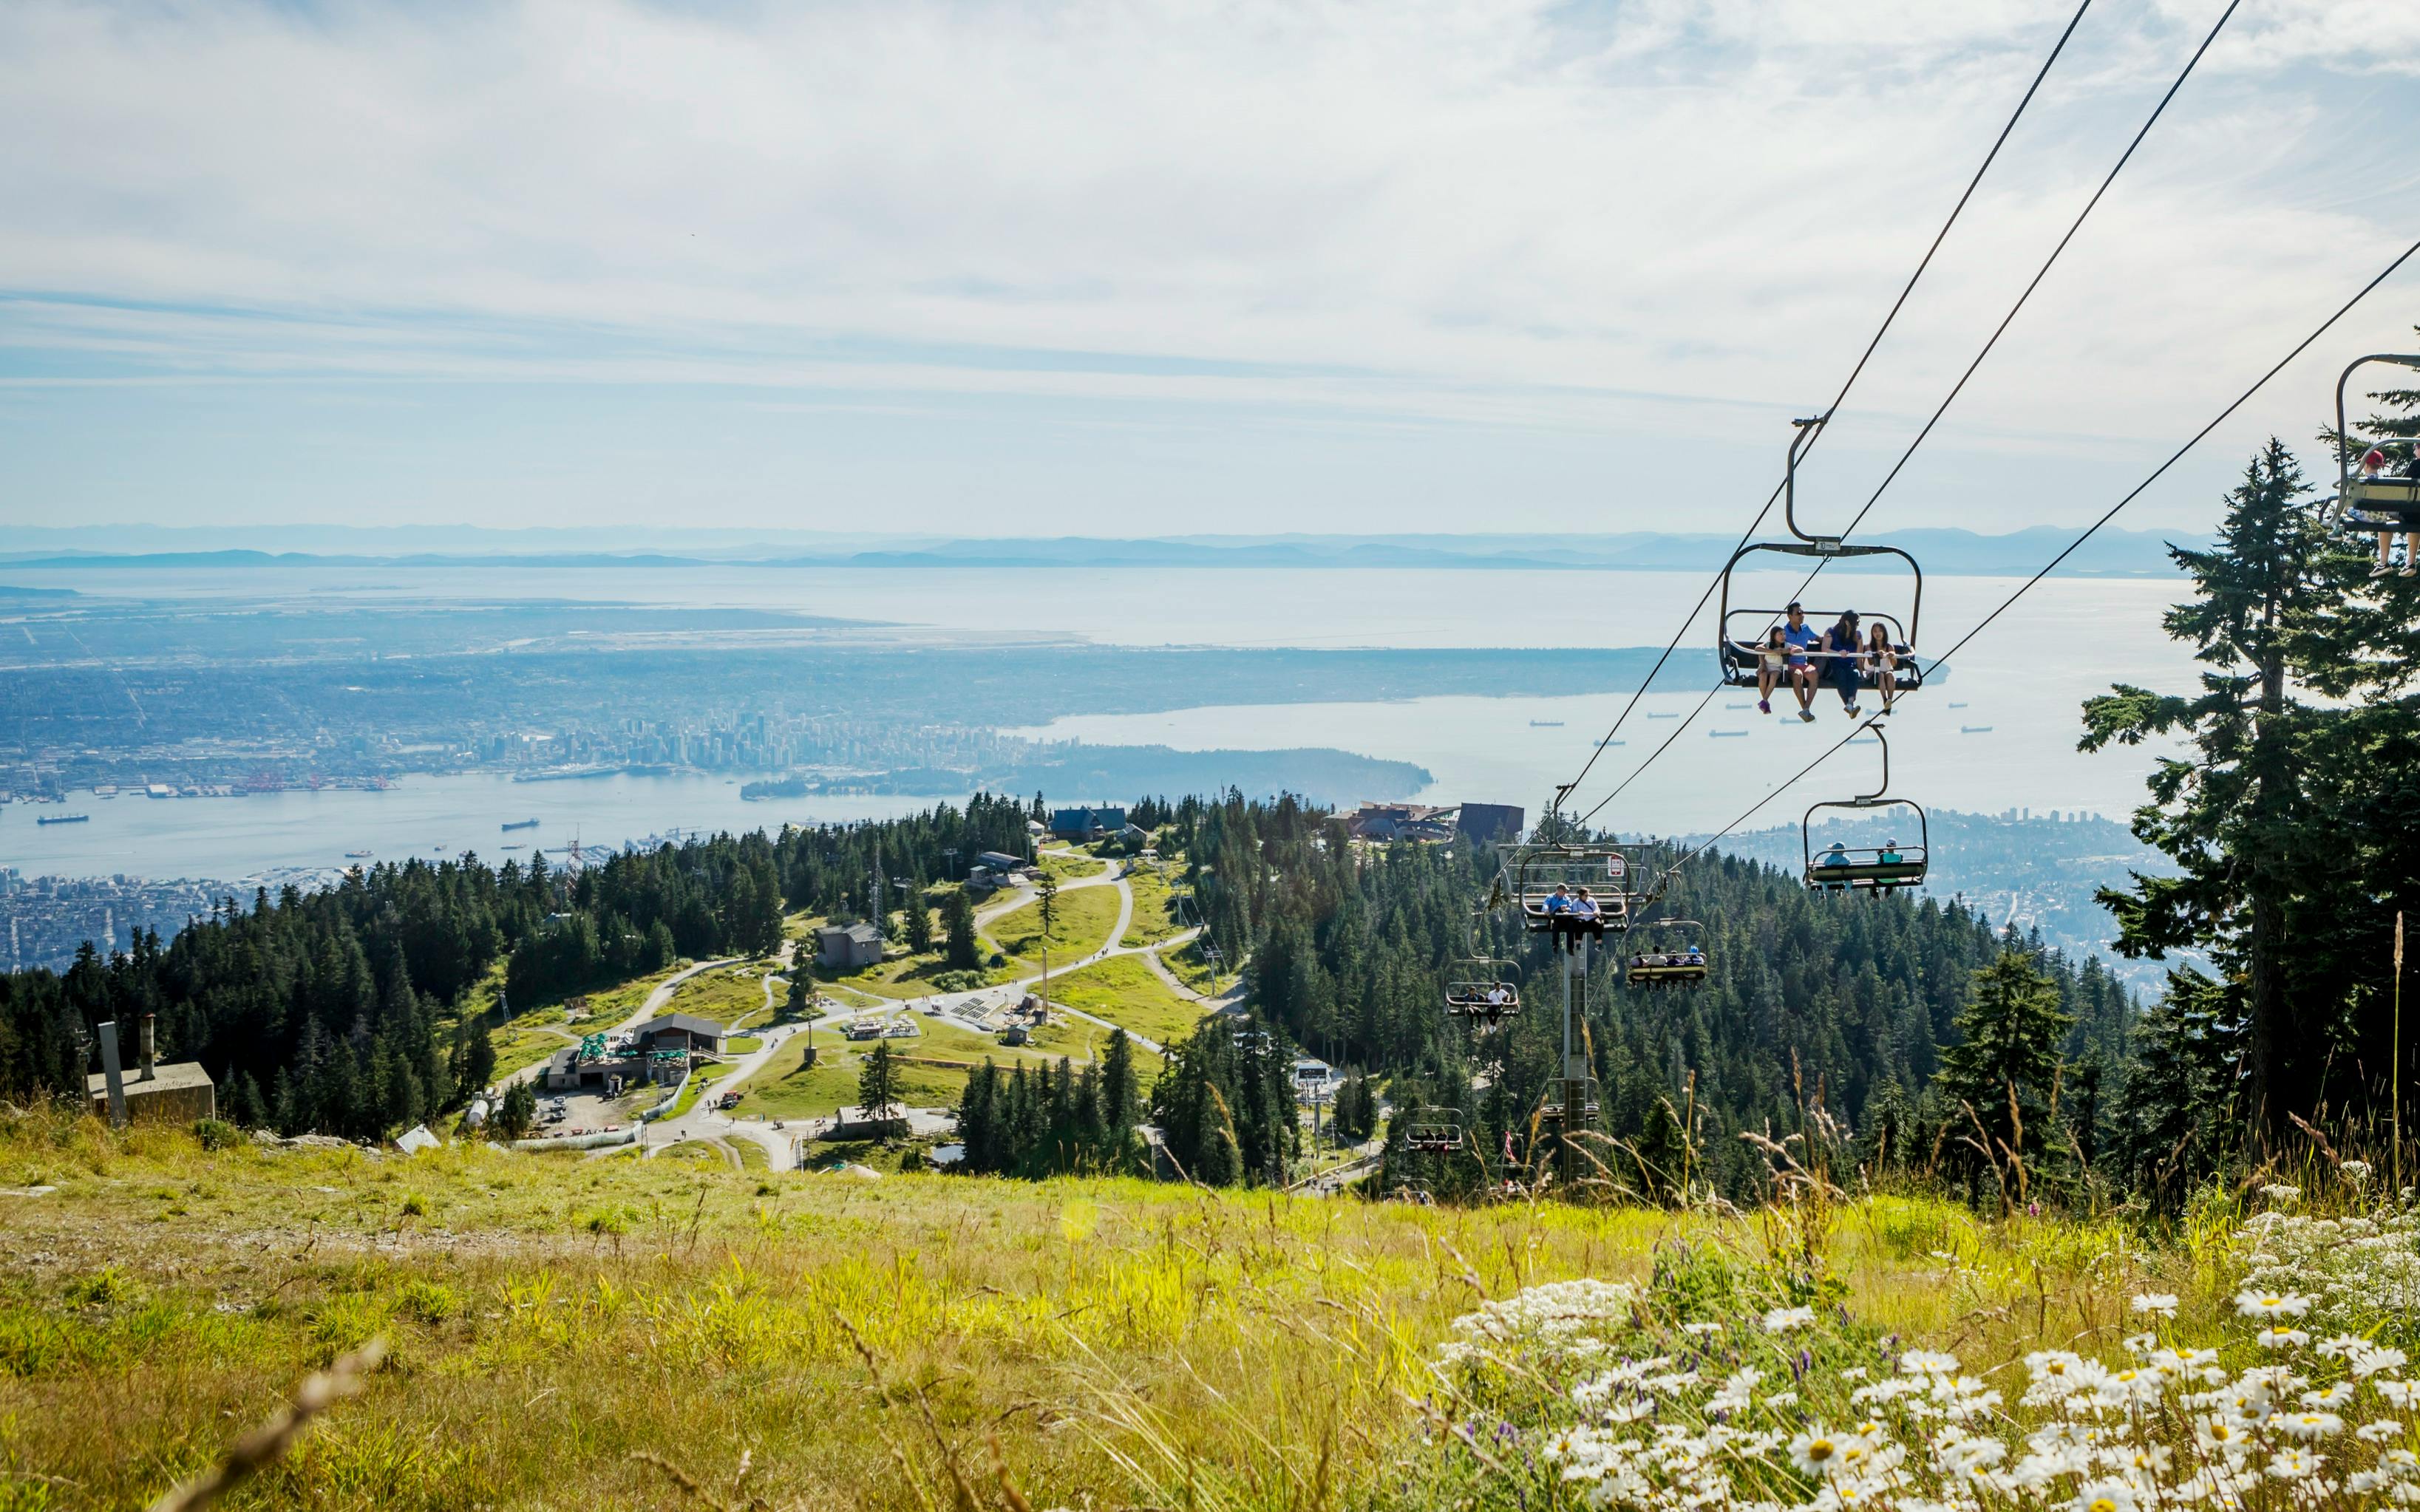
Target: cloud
(1657, 218)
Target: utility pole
(2395, 1084)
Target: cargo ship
(520, 823)
(65, 819)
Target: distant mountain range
(1955, 552)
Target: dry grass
(550, 1317)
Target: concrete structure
(1000, 860)
(848, 946)
(1087, 823)
(178, 1092)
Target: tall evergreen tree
(878, 1083)
(962, 950)
(2000, 1081)
(2256, 818)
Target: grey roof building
(846, 946)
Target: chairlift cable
(2156, 473)
(1855, 373)
(2040, 274)
(1957, 388)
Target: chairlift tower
(1575, 1070)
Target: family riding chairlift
(1741, 633)
(1842, 867)
(2366, 500)
(1663, 962)
(1433, 1137)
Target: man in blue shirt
(1801, 638)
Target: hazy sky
(1419, 264)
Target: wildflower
(2281, 1194)
(2379, 1432)
(2356, 1171)
(1782, 1320)
(2295, 1464)
(2370, 1360)
(1701, 1330)
(2278, 1336)
(2309, 1424)
(2270, 1304)
(1928, 1363)
(2395, 1393)
(2336, 1396)
(2106, 1496)
(1816, 1453)
(2162, 1304)
(2221, 1434)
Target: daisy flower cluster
(2362, 1274)
(1771, 1410)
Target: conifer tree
(1999, 1080)
(878, 1083)
(919, 917)
(2259, 846)
(963, 950)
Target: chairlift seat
(1471, 998)
(2371, 504)
(1643, 973)
(1878, 875)
(1434, 1136)
(1604, 869)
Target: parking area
(588, 1112)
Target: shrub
(428, 1301)
(101, 1287)
(216, 1133)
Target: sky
(1171, 267)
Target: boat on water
(1956, 705)
(64, 819)
(1673, 715)
(1727, 734)
(359, 856)
(1739, 705)
(1545, 724)
(516, 847)
(520, 823)
(1974, 730)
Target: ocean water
(2024, 678)
(435, 817)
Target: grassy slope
(1154, 919)
(1124, 991)
(1085, 916)
(724, 995)
(783, 1088)
(545, 1312)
